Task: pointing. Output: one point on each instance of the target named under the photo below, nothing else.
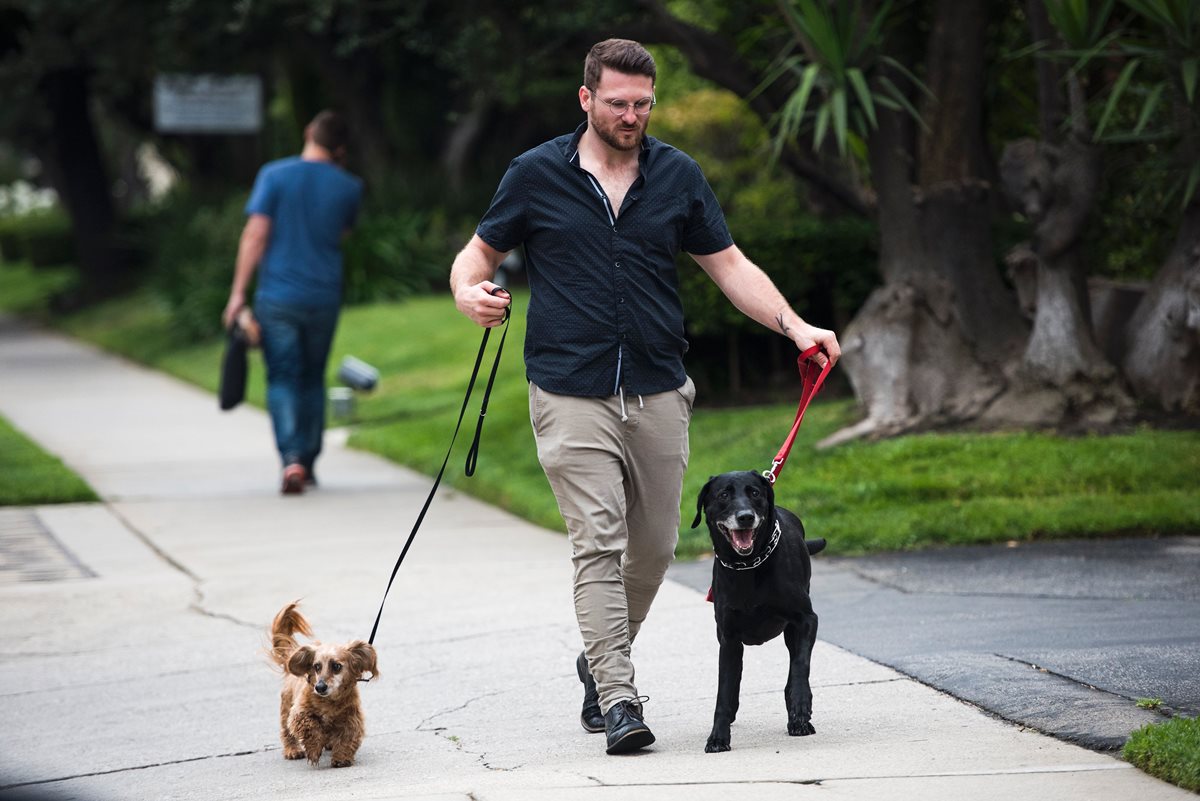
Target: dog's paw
(801, 728)
(293, 753)
(342, 763)
(716, 745)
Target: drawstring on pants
(624, 414)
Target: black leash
(472, 454)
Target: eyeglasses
(619, 107)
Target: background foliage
(444, 94)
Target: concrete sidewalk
(135, 671)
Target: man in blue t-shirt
(602, 214)
(299, 211)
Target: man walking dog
(602, 214)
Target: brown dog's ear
(301, 660)
(700, 499)
(362, 658)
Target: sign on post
(207, 104)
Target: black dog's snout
(745, 518)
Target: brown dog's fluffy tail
(284, 627)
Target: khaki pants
(618, 486)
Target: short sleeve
(263, 197)
(706, 231)
(504, 224)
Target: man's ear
(301, 660)
(700, 499)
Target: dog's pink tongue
(742, 539)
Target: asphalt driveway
(1063, 637)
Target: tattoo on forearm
(783, 329)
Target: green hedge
(395, 254)
(40, 238)
(825, 268)
(193, 246)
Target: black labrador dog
(760, 590)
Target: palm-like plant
(839, 80)
(1161, 67)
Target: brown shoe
(293, 479)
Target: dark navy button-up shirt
(604, 309)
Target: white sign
(207, 104)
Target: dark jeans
(295, 345)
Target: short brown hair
(330, 131)
(621, 55)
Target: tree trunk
(71, 157)
(1061, 347)
(463, 139)
(1055, 183)
(1163, 359)
(957, 198)
(926, 348)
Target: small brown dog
(319, 707)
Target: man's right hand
(475, 295)
(478, 303)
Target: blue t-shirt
(310, 204)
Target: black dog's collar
(761, 557)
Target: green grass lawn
(1170, 751)
(910, 492)
(25, 289)
(32, 477)
(29, 475)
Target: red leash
(812, 382)
(811, 385)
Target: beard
(617, 136)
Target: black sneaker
(625, 728)
(591, 718)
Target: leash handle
(473, 453)
(812, 378)
(472, 457)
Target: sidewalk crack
(130, 768)
(1163, 710)
(149, 543)
(443, 732)
(422, 726)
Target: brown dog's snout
(321, 687)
